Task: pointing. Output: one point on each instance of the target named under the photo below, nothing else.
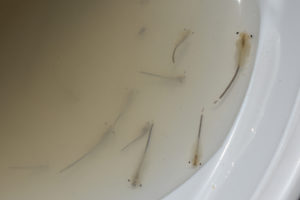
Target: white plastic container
(260, 157)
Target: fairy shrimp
(196, 158)
(107, 132)
(144, 131)
(185, 34)
(243, 47)
(179, 78)
(135, 181)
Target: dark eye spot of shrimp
(251, 36)
(189, 162)
(237, 33)
(140, 185)
(128, 180)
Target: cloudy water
(103, 99)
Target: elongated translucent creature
(179, 78)
(243, 47)
(144, 131)
(108, 131)
(185, 34)
(29, 167)
(196, 158)
(135, 182)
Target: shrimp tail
(229, 84)
(173, 54)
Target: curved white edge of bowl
(265, 129)
(282, 179)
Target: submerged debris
(142, 30)
(143, 2)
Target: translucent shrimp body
(243, 47)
